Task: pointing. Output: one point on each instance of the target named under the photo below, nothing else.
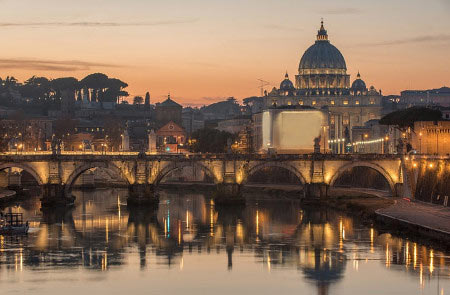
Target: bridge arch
(180, 165)
(91, 165)
(373, 166)
(24, 167)
(283, 165)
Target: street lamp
(420, 142)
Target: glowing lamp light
(415, 165)
(167, 149)
(430, 165)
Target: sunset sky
(202, 51)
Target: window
(345, 102)
(357, 102)
(332, 102)
(289, 103)
(346, 119)
(313, 103)
(300, 102)
(372, 101)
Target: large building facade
(322, 82)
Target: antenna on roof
(262, 85)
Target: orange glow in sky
(202, 51)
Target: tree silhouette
(406, 118)
(138, 100)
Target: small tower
(322, 34)
(152, 142)
(147, 99)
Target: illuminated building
(290, 130)
(431, 137)
(170, 138)
(323, 83)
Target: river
(190, 246)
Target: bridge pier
(142, 194)
(228, 194)
(316, 190)
(53, 195)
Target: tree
(114, 91)
(210, 141)
(138, 100)
(36, 88)
(96, 83)
(406, 118)
(63, 84)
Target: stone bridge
(142, 172)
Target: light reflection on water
(190, 246)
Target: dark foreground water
(188, 246)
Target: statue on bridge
(317, 144)
(56, 146)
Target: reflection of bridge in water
(99, 233)
(315, 172)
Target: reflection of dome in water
(323, 266)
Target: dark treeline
(47, 92)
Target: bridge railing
(206, 156)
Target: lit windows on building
(346, 119)
(300, 102)
(345, 102)
(313, 103)
(332, 102)
(357, 102)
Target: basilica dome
(322, 66)
(286, 84)
(359, 84)
(322, 54)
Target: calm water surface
(189, 246)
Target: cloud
(97, 24)
(413, 40)
(340, 11)
(283, 28)
(51, 65)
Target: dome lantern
(322, 34)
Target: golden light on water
(211, 218)
(431, 261)
(371, 240)
(407, 259)
(415, 256)
(257, 223)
